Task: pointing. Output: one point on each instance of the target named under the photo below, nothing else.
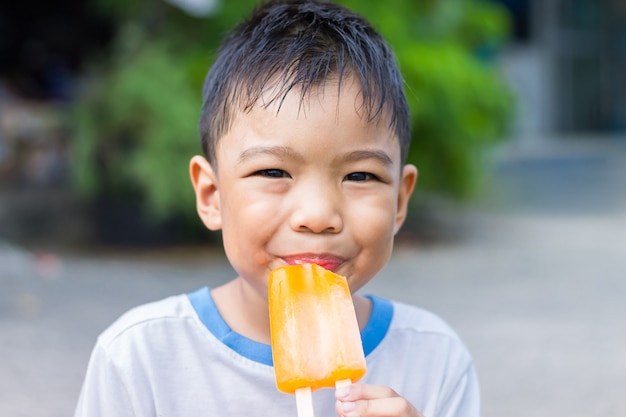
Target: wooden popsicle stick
(304, 402)
(343, 383)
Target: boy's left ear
(205, 184)
(407, 184)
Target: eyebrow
(282, 152)
(369, 154)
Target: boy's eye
(272, 173)
(360, 176)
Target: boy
(305, 128)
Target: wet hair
(301, 44)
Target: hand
(361, 400)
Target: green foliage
(135, 126)
(459, 108)
(135, 117)
(460, 105)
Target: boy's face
(311, 183)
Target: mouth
(329, 262)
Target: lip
(326, 261)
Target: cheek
(241, 208)
(245, 243)
(374, 218)
(376, 241)
(248, 224)
(374, 229)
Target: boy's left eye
(360, 176)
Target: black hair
(302, 43)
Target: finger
(356, 392)
(394, 406)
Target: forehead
(329, 117)
(335, 101)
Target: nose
(317, 211)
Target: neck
(244, 309)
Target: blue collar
(202, 302)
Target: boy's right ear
(205, 184)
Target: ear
(206, 186)
(407, 183)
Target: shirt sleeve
(464, 399)
(104, 393)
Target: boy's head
(300, 44)
(305, 127)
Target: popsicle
(316, 341)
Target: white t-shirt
(178, 358)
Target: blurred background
(516, 234)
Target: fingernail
(342, 392)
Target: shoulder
(148, 317)
(414, 319)
(415, 328)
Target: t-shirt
(178, 357)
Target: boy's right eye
(272, 173)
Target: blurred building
(568, 66)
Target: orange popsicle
(315, 335)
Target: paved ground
(535, 285)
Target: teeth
(304, 261)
